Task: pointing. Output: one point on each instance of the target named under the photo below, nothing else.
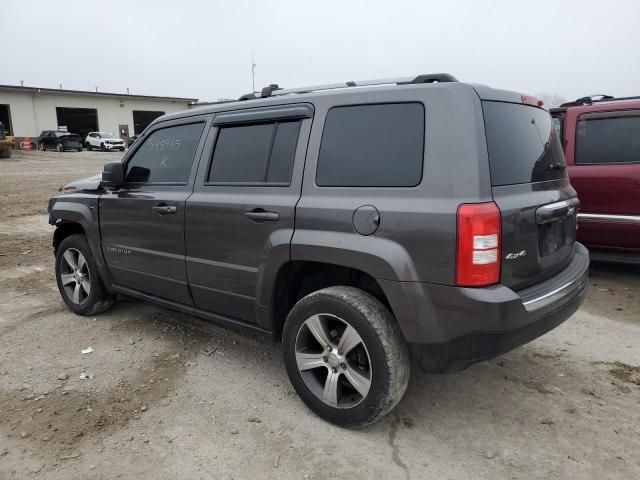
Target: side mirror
(113, 174)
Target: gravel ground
(168, 400)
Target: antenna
(253, 74)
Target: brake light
(478, 244)
(528, 100)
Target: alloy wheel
(333, 360)
(75, 276)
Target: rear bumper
(453, 327)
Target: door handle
(164, 209)
(261, 215)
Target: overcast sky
(203, 49)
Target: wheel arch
(64, 230)
(75, 217)
(297, 278)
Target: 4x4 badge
(513, 256)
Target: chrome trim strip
(557, 211)
(572, 202)
(554, 295)
(605, 218)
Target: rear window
(608, 140)
(523, 144)
(255, 153)
(378, 145)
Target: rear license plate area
(552, 236)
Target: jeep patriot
(360, 224)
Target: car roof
(588, 104)
(345, 90)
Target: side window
(166, 156)
(378, 145)
(608, 140)
(557, 124)
(255, 153)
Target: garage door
(142, 119)
(78, 120)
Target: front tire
(102, 147)
(60, 147)
(345, 356)
(78, 279)
(43, 147)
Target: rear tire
(78, 279)
(364, 371)
(88, 146)
(79, 149)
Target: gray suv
(360, 224)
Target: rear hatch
(529, 182)
(70, 139)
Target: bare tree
(551, 100)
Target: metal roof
(60, 91)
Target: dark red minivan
(601, 142)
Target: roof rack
(588, 100)
(274, 90)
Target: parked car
(104, 141)
(355, 225)
(59, 140)
(601, 140)
(6, 143)
(132, 140)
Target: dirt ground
(167, 400)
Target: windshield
(523, 144)
(106, 135)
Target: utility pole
(253, 74)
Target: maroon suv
(601, 142)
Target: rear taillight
(478, 245)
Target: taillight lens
(478, 244)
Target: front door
(142, 224)
(240, 218)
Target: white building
(27, 111)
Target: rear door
(606, 174)
(240, 218)
(142, 223)
(531, 188)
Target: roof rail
(588, 100)
(273, 89)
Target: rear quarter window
(523, 144)
(379, 145)
(614, 140)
